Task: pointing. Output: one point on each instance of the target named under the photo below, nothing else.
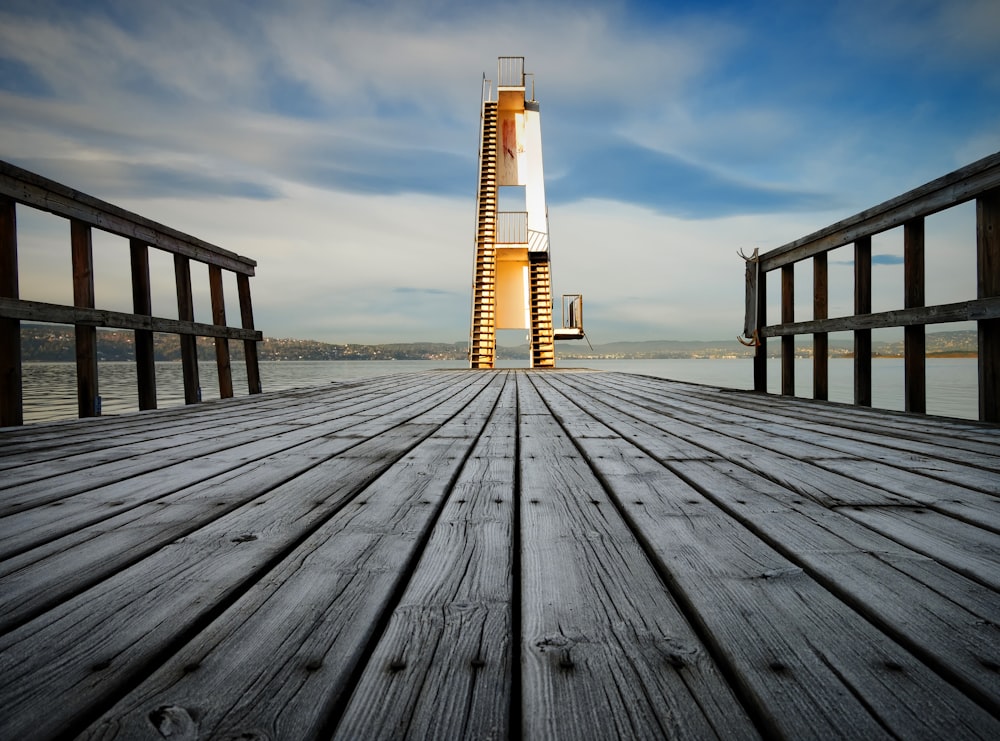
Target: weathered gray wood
(185, 313)
(969, 550)
(142, 303)
(280, 659)
(949, 190)
(124, 463)
(249, 344)
(760, 353)
(705, 552)
(143, 610)
(974, 310)
(787, 341)
(988, 287)
(36, 311)
(47, 195)
(862, 336)
(424, 556)
(914, 340)
(225, 372)
(11, 396)
(821, 343)
(86, 337)
(444, 665)
(606, 652)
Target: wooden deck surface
(492, 554)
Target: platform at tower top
(490, 554)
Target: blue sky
(335, 143)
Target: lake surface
(50, 388)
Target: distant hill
(55, 343)
(960, 342)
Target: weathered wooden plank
(949, 190)
(788, 341)
(760, 352)
(969, 550)
(86, 337)
(156, 472)
(444, 666)
(724, 570)
(952, 434)
(973, 464)
(185, 313)
(988, 288)
(940, 617)
(281, 657)
(137, 616)
(821, 340)
(224, 370)
(11, 397)
(249, 345)
(141, 437)
(142, 303)
(960, 311)
(64, 437)
(724, 440)
(606, 652)
(914, 339)
(37, 311)
(862, 336)
(47, 195)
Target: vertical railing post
(249, 346)
(142, 303)
(11, 385)
(189, 343)
(221, 343)
(788, 340)
(863, 337)
(821, 348)
(914, 338)
(760, 352)
(86, 337)
(988, 286)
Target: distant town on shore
(55, 343)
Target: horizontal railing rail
(980, 182)
(85, 213)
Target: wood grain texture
(469, 554)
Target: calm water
(50, 388)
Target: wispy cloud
(335, 142)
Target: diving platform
(562, 554)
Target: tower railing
(512, 227)
(86, 213)
(510, 72)
(979, 181)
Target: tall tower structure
(511, 282)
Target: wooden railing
(84, 212)
(979, 181)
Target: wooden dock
(465, 554)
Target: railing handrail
(85, 213)
(979, 181)
(952, 189)
(39, 192)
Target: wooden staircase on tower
(543, 348)
(482, 343)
